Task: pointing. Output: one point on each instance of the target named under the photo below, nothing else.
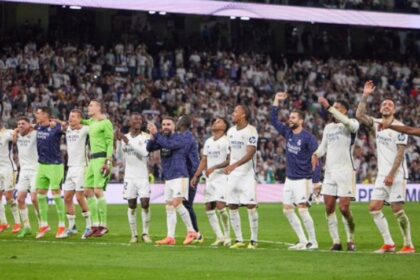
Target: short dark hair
(23, 118)
(247, 112)
(185, 121)
(101, 104)
(300, 113)
(169, 118)
(46, 109)
(343, 103)
(77, 111)
(389, 97)
(226, 123)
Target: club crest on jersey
(401, 137)
(299, 142)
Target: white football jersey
(135, 156)
(6, 154)
(386, 145)
(216, 151)
(27, 151)
(337, 142)
(238, 142)
(76, 140)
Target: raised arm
(278, 125)
(351, 124)
(368, 89)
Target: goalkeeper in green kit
(101, 139)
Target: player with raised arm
(300, 145)
(25, 139)
(242, 183)
(173, 151)
(215, 157)
(101, 140)
(339, 180)
(136, 176)
(50, 171)
(391, 181)
(76, 139)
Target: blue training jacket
(299, 150)
(174, 151)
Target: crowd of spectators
(206, 85)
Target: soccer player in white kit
(339, 179)
(215, 157)
(136, 176)
(25, 139)
(7, 179)
(242, 183)
(390, 184)
(76, 139)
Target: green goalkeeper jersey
(101, 136)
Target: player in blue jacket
(300, 145)
(173, 152)
(183, 127)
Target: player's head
(296, 119)
(75, 117)
(43, 114)
(387, 107)
(23, 125)
(241, 114)
(136, 121)
(96, 107)
(184, 122)
(220, 124)
(342, 106)
(168, 126)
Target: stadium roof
(249, 11)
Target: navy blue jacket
(193, 158)
(48, 144)
(174, 154)
(299, 150)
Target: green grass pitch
(111, 257)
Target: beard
(293, 126)
(167, 133)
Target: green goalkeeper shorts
(94, 177)
(49, 176)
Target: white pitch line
(197, 246)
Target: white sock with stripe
(214, 223)
(296, 224)
(382, 225)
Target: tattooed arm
(368, 89)
(389, 180)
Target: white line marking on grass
(196, 246)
